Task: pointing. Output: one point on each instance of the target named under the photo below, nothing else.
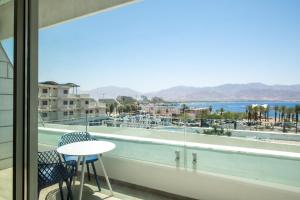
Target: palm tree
(261, 110)
(249, 111)
(184, 107)
(276, 108)
(111, 108)
(297, 112)
(222, 111)
(290, 113)
(210, 109)
(255, 110)
(283, 112)
(267, 111)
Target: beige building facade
(61, 102)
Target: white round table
(87, 148)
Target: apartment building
(62, 102)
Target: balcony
(189, 168)
(47, 95)
(47, 108)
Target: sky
(157, 44)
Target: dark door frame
(25, 99)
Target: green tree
(290, 113)
(267, 111)
(120, 109)
(283, 117)
(261, 110)
(184, 107)
(283, 112)
(111, 108)
(127, 108)
(210, 109)
(157, 100)
(249, 111)
(255, 112)
(297, 112)
(126, 100)
(222, 111)
(276, 108)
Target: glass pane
(6, 99)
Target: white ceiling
(52, 12)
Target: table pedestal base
(83, 172)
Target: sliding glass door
(18, 64)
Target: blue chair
(79, 137)
(51, 170)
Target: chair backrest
(48, 157)
(50, 169)
(75, 137)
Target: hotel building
(62, 102)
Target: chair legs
(61, 191)
(70, 195)
(88, 171)
(96, 176)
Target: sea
(239, 106)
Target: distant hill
(111, 92)
(226, 92)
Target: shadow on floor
(122, 191)
(87, 193)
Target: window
(45, 91)
(191, 115)
(44, 103)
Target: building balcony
(68, 107)
(48, 95)
(47, 108)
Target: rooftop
(59, 84)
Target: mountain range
(226, 92)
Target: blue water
(239, 106)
